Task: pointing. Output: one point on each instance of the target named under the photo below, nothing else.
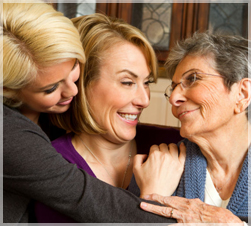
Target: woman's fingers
(154, 148)
(173, 150)
(182, 155)
(138, 160)
(159, 210)
(164, 148)
(160, 172)
(188, 210)
(156, 198)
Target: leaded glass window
(79, 8)
(230, 18)
(154, 20)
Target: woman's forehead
(190, 62)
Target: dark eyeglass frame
(185, 83)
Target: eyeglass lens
(185, 82)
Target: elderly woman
(210, 95)
(120, 66)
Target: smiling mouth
(66, 102)
(129, 117)
(185, 112)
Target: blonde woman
(120, 66)
(42, 62)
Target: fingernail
(146, 196)
(143, 204)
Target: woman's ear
(244, 95)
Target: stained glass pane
(79, 8)
(230, 18)
(154, 20)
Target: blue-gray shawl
(192, 183)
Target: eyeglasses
(186, 82)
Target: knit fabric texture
(193, 180)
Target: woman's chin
(185, 132)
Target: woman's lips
(66, 102)
(129, 118)
(186, 112)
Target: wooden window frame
(186, 19)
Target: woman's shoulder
(64, 146)
(12, 117)
(14, 124)
(63, 140)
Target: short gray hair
(230, 54)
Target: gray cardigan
(33, 170)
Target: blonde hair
(35, 36)
(98, 33)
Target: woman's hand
(162, 170)
(188, 210)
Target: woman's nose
(142, 97)
(177, 97)
(70, 89)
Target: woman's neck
(225, 151)
(109, 161)
(225, 147)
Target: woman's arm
(32, 169)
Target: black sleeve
(33, 169)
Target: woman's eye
(190, 79)
(128, 83)
(51, 90)
(149, 82)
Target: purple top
(64, 146)
(145, 138)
